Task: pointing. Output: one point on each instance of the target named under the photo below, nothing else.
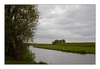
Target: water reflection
(58, 57)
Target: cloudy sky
(74, 23)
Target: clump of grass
(41, 62)
(81, 52)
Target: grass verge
(82, 48)
(28, 57)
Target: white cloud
(57, 10)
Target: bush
(27, 55)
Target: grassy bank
(28, 57)
(82, 48)
(10, 60)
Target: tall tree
(20, 26)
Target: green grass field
(82, 48)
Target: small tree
(62, 41)
(55, 42)
(58, 41)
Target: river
(59, 57)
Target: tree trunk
(10, 50)
(14, 49)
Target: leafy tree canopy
(20, 26)
(21, 21)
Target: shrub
(27, 55)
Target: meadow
(82, 48)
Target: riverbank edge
(70, 51)
(9, 61)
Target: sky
(74, 23)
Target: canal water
(59, 57)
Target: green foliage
(21, 21)
(10, 60)
(58, 41)
(27, 55)
(20, 26)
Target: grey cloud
(45, 9)
(70, 22)
(84, 16)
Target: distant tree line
(58, 41)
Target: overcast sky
(74, 23)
